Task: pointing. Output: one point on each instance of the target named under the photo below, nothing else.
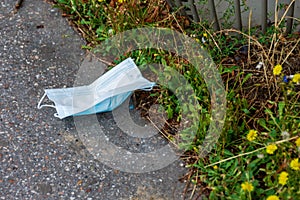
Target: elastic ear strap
(149, 88)
(39, 106)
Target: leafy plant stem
(251, 152)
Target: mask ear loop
(149, 88)
(39, 106)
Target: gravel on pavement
(42, 157)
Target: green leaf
(228, 153)
(262, 122)
(281, 106)
(169, 112)
(246, 111)
(246, 78)
(230, 69)
(268, 111)
(86, 47)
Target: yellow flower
(271, 148)
(246, 186)
(252, 135)
(205, 35)
(295, 165)
(273, 197)
(215, 167)
(277, 69)
(100, 1)
(298, 142)
(121, 1)
(283, 177)
(296, 78)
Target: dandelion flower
(205, 35)
(285, 135)
(261, 156)
(121, 1)
(271, 148)
(296, 78)
(295, 165)
(252, 135)
(259, 65)
(298, 142)
(273, 197)
(277, 69)
(246, 186)
(283, 177)
(215, 167)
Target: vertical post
(264, 15)
(213, 14)
(194, 10)
(170, 3)
(290, 14)
(238, 15)
(178, 3)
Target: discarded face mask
(105, 94)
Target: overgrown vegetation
(257, 156)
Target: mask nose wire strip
(39, 106)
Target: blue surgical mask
(105, 94)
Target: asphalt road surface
(43, 157)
